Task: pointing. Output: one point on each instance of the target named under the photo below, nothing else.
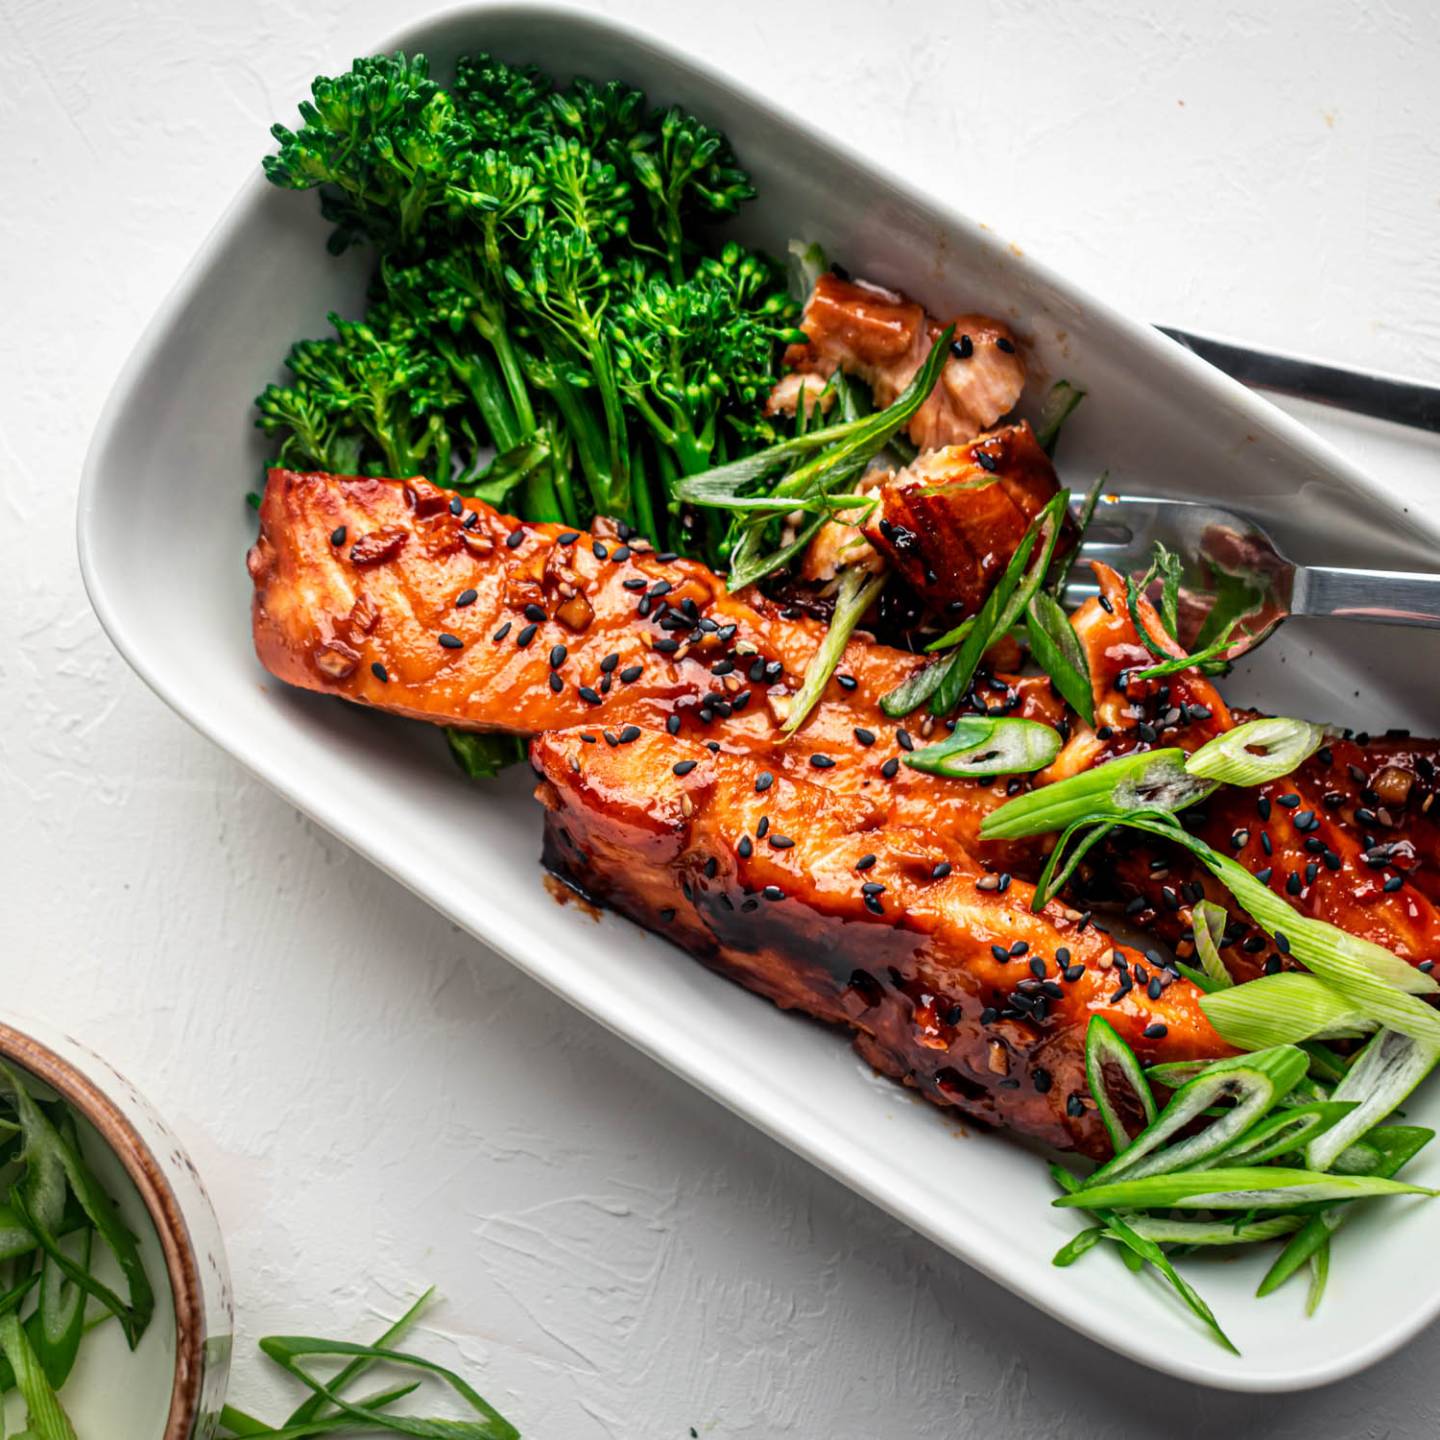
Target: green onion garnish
(1211, 922)
(1257, 752)
(1055, 409)
(980, 749)
(1107, 1053)
(1254, 1082)
(858, 592)
(1150, 780)
(1058, 652)
(1257, 1187)
(1384, 1073)
(1283, 1009)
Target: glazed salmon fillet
(882, 338)
(817, 901)
(388, 593)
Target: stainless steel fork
(1231, 568)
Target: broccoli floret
(685, 352)
(526, 297)
(690, 168)
(383, 387)
(382, 141)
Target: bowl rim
(182, 1267)
(506, 932)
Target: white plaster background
(376, 1100)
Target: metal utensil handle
(1394, 597)
(1388, 397)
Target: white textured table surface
(378, 1102)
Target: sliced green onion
(1150, 780)
(1254, 1082)
(1283, 1009)
(1167, 566)
(1385, 1072)
(1055, 409)
(1319, 1274)
(1061, 570)
(1378, 982)
(287, 1351)
(858, 592)
(44, 1413)
(1058, 652)
(1245, 1188)
(1062, 861)
(1213, 1232)
(1256, 752)
(1395, 1147)
(1104, 1049)
(1137, 1250)
(1077, 1246)
(1211, 923)
(917, 688)
(979, 749)
(1287, 1130)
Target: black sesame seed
(451, 642)
(1000, 953)
(763, 828)
(667, 915)
(588, 695)
(667, 646)
(1290, 802)
(536, 613)
(1074, 972)
(890, 768)
(672, 724)
(456, 505)
(1074, 1107)
(872, 903)
(985, 460)
(903, 740)
(763, 781)
(963, 348)
(609, 663)
(1105, 605)
(822, 762)
(684, 767)
(846, 682)
(525, 636)
(601, 550)
(380, 673)
(557, 656)
(1292, 883)
(773, 892)
(864, 736)
(1037, 967)
(515, 539)
(1392, 884)
(620, 554)
(1282, 942)
(1156, 1031)
(631, 673)
(502, 632)
(556, 683)
(1001, 343)
(634, 582)
(629, 734)
(745, 849)
(865, 862)
(1262, 807)
(569, 537)
(466, 597)
(941, 870)
(1041, 1078)
(337, 536)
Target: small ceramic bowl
(173, 1385)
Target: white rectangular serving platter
(163, 530)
